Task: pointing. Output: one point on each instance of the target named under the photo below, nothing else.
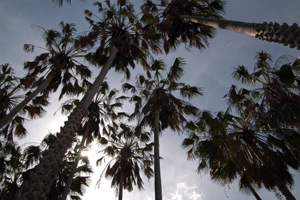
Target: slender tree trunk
(21, 105)
(282, 187)
(283, 34)
(121, 188)
(157, 176)
(39, 180)
(257, 197)
(74, 166)
(247, 184)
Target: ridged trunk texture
(21, 105)
(74, 166)
(282, 34)
(41, 178)
(157, 175)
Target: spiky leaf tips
(165, 17)
(50, 70)
(118, 28)
(157, 106)
(252, 140)
(129, 154)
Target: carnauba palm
(56, 67)
(10, 89)
(163, 16)
(157, 106)
(120, 41)
(129, 154)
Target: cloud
(185, 192)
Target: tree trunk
(283, 34)
(157, 176)
(282, 187)
(121, 188)
(21, 105)
(74, 166)
(45, 172)
(257, 197)
(245, 183)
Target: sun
(86, 153)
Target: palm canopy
(234, 146)
(10, 87)
(80, 180)
(18, 163)
(41, 179)
(11, 169)
(54, 68)
(157, 91)
(100, 120)
(164, 17)
(102, 113)
(157, 107)
(129, 154)
(278, 88)
(118, 28)
(60, 59)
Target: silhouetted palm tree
(101, 114)
(161, 108)
(164, 17)
(234, 145)
(57, 67)
(10, 87)
(118, 30)
(129, 155)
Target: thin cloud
(185, 192)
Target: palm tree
(10, 85)
(33, 153)
(283, 34)
(165, 18)
(115, 37)
(162, 109)
(129, 155)
(232, 146)
(11, 170)
(60, 66)
(79, 181)
(101, 113)
(18, 163)
(277, 91)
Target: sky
(210, 69)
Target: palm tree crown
(164, 17)
(56, 67)
(130, 155)
(161, 108)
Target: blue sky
(210, 69)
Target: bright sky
(210, 69)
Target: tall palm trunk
(74, 166)
(282, 187)
(257, 197)
(121, 187)
(45, 172)
(245, 183)
(21, 105)
(157, 176)
(283, 34)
